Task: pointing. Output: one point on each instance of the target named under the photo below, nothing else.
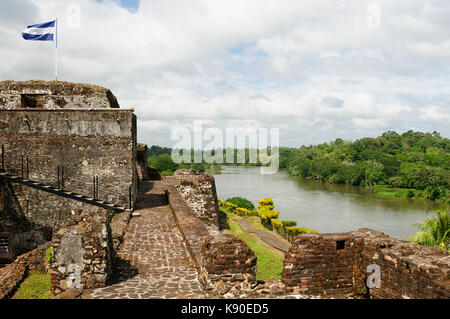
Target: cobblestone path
(153, 261)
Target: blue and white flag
(40, 32)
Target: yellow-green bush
(268, 214)
(292, 232)
(266, 203)
(277, 226)
(266, 207)
(242, 211)
(289, 223)
(228, 205)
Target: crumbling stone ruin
(54, 95)
(340, 264)
(75, 182)
(199, 191)
(64, 147)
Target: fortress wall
(408, 270)
(23, 235)
(314, 265)
(199, 191)
(54, 95)
(86, 142)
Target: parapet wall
(228, 265)
(199, 191)
(86, 143)
(54, 95)
(339, 264)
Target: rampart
(338, 264)
(83, 143)
(65, 146)
(54, 95)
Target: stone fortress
(75, 182)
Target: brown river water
(325, 207)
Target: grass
(256, 223)
(270, 260)
(392, 192)
(35, 286)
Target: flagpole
(56, 49)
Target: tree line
(418, 162)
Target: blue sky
(132, 5)
(316, 70)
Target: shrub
(277, 226)
(241, 202)
(266, 216)
(289, 223)
(242, 211)
(292, 232)
(228, 206)
(266, 203)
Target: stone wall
(337, 264)
(54, 95)
(199, 191)
(86, 143)
(24, 235)
(82, 254)
(408, 270)
(316, 264)
(228, 266)
(141, 164)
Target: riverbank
(270, 260)
(328, 208)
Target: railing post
(28, 171)
(96, 187)
(93, 179)
(58, 178)
(3, 158)
(62, 178)
(130, 198)
(22, 166)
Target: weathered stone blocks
(338, 264)
(82, 253)
(228, 266)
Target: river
(325, 207)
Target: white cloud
(313, 68)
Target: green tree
(164, 163)
(434, 232)
(373, 172)
(241, 202)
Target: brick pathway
(153, 261)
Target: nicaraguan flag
(40, 32)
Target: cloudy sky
(317, 70)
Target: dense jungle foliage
(415, 161)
